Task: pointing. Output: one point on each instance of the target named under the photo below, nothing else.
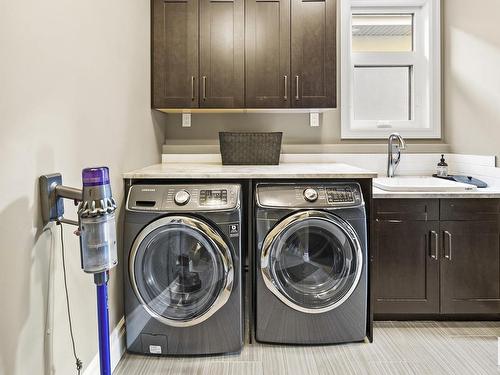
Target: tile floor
(399, 348)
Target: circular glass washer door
(181, 270)
(312, 261)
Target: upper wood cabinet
(222, 54)
(313, 44)
(243, 54)
(268, 54)
(175, 54)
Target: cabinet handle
(297, 88)
(286, 88)
(192, 87)
(434, 244)
(204, 87)
(447, 241)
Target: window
(390, 78)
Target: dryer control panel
(325, 195)
(343, 194)
(169, 198)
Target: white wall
(74, 92)
(472, 76)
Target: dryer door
(181, 270)
(312, 261)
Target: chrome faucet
(394, 153)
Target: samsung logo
(153, 190)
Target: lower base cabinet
(470, 267)
(406, 276)
(436, 257)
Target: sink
(420, 184)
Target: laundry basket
(262, 148)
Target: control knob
(181, 197)
(310, 195)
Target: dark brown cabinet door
(175, 54)
(267, 53)
(406, 267)
(222, 27)
(313, 50)
(470, 267)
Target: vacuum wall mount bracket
(52, 193)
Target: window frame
(426, 82)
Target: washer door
(312, 261)
(181, 270)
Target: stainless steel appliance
(183, 285)
(311, 277)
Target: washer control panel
(324, 195)
(213, 197)
(209, 197)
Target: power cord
(79, 363)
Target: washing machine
(311, 260)
(182, 279)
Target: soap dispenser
(442, 167)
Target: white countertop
(489, 192)
(201, 170)
(218, 171)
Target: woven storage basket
(250, 148)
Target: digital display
(213, 197)
(340, 195)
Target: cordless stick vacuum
(97, 230)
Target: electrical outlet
(186, 120)
(314, 119)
